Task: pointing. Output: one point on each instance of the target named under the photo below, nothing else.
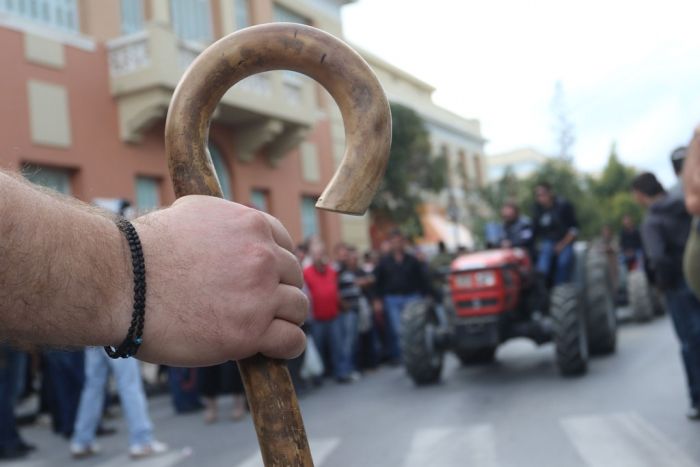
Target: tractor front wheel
(570, 336)
(419, 343)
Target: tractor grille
(477, 303)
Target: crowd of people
(355, 300)
(355, 305)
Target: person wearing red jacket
(322, 282)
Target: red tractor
(493, 296)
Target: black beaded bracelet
(134, 336)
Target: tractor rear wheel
(640, 294)
(476, 356)
(600, 304)
(422, 356)
(570, 340)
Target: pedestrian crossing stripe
(437, 447)
(623, 439)
(320, 450)
(169, 459)
(610, 440)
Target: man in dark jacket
(517, 229)
(400, 278)
(556, 229)
(664, 234)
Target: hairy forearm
(64, 271)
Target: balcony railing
(129, 54)
(146, 66)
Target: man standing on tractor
(555, 232)
(517, 229)
(664, 234)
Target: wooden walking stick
(365, 111)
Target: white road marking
(623, 440)
(320, 450)
(26, 463)
(473, 446)
(168, 459)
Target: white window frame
(62, 15)
(192, 21)
(132, 20)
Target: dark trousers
(367, 351)
(184, 387)
(218, 379)
(684, 308)
(67, 376)
(9, 375)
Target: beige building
(87, 83)
(458, 138)
(521, 162)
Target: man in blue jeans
(133, 401)
(400, 278)
(555, 229)
(664, 233)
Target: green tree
(412, 171)
(507, 188)
(598, 201)
(616, 177)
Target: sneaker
(154, 448)
(80, 451)
(693, 414)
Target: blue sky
(630, 69)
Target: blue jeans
(10, 366)
(131, 394)
(348, 341)
(684, 308)
(184, 388)
(564, 262)
(327, 337)
(67, 376)
(393, 306)
(19, 374)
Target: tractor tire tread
(416, 356)
(568, 330)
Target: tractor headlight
(475, 280)
(463, 281)
(484, 279)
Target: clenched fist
(222, 284)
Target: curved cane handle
(365, 111)
(283, 46)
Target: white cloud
(630, 69)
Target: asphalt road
(627, 411)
